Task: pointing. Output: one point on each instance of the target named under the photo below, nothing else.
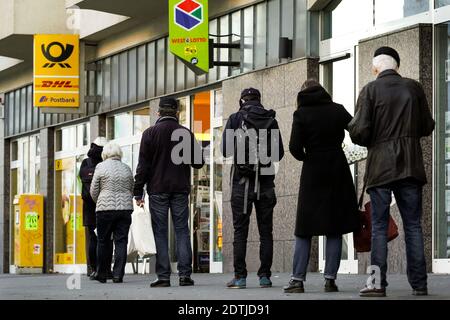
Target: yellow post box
(29, 231)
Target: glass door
(201, 188)
(338, 78)
(216, 239)
(69, 230)
(72, 144)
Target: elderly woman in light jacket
(112, 191)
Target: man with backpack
(253, 138)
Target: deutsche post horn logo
(188, 14)
(64, 55)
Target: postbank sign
(56, 72)
(189, 33)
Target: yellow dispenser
(29, 231)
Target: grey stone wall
(414, 47)
(279, 87)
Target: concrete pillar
(47, 138)
(98, 126)
(5, 205)
(413, 45)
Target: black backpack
(250, 125)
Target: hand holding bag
(142, 231)
(362, 240)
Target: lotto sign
(31, 221)
(189, 33)
(56, 81)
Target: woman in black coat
(86, 174)
(327, 204)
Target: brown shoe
(372, 292)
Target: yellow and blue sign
(189, 33)
(56, 71)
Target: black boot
(186, 281)
(160, 283)
(330, 286)
(295, 286)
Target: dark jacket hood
(257, 115)
(256, 108)
(95, 152)
(313, 96)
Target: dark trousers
(241, 221)
(408, 194)
(178, 203)
(91, 248)
(332, 260)
(117, 224)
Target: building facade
(129, 67)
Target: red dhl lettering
(56, 84)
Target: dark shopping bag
(362, 239)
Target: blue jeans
(332, 260)
(408, 194)
(159, 210)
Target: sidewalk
(208, 287)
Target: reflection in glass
(69, 231)
(217, 206)
(126, 157)
(335, 20)
(141, 121)
(390, 10)
(441, 3)
(14, 191)
(135, 157)
(442, 153)
(119, 126)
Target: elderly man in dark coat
(392, 115)
(327, 202)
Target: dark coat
(156, 168)
(327, 202)
(392, 115)
(233, 123)
(86, 174)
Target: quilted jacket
(112, 186)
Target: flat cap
(388, 51)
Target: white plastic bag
(142, 231)
(131, 248)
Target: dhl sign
(56, 71)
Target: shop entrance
(202, 113)
(69, 233)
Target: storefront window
(336, 20)
(72, 144)
(201, 188)
(441, 3)
(390, 10)
(127, 157)
(69, 231)
(442, 153)
(83, 134)
(120, 126)
(141, 121)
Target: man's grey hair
(112, 150)
(384, 62)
